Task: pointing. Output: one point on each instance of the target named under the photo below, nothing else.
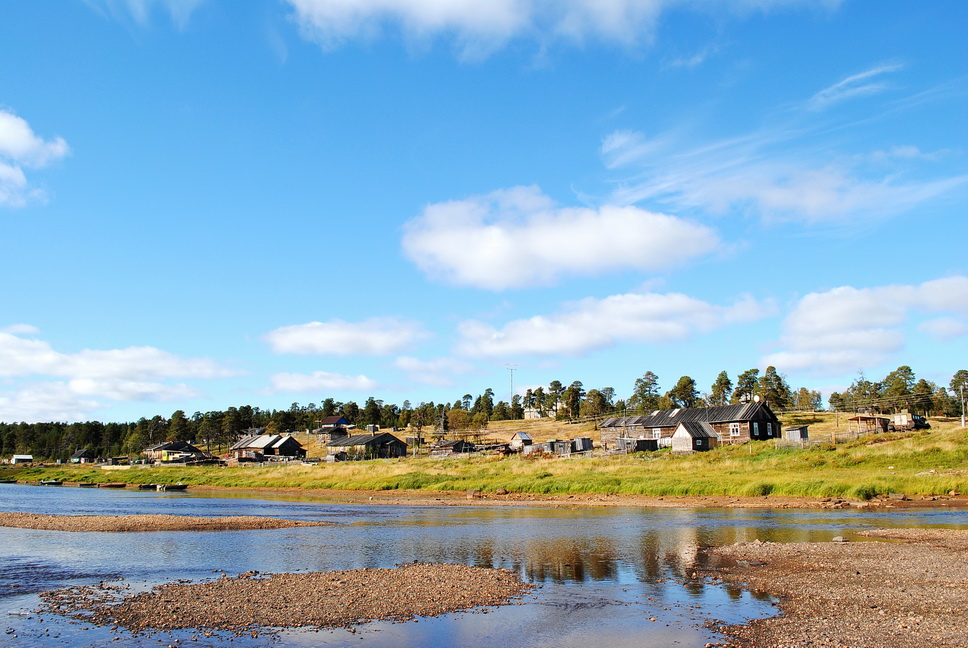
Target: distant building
(520, 440)
(83, 457)
(173, 451)
(22, 459)
(732, 423)
(259, 446)
(366, 446)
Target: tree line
(900, 389)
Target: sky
(210, 203)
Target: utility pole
(510, 368)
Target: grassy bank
(923, 463)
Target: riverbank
(138, 523)
(910, 591)
(250, 602)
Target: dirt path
(908, 592)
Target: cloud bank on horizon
(687, 217)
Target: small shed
(581, 444)
(796, 433)
(22, 459)
(625, 444)
(453, 446)
(520, 440)
(868, 423)
(694, 436)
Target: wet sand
(135, 523)
(252, 602)
(910, 591)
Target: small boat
(8, 481)
(147, 486)
(50, 482)
(87, 485)
(171, 487)
(112, 485)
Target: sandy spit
(252, 601)
(910, 591)
(119, 523)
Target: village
(679, 431)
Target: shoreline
(908, 591)
(400, 497)
(146, 523)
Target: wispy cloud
(862, 84)
(317, 382)
(438, 372)
(374, 336)
(480, 28)
(21, 148)
(846, 328)
(89, 377)
(518, 238)
(591, 324)
(779, 172)
(180, 11)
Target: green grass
(924, 463)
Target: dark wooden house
(260, 446)
(366, 446)
(732, 423)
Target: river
(612, 577)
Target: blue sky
(208, 203)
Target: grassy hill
(930, 462)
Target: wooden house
(83, 457)
(366, 446)
(173, 451)
(452, 446)
(260, 446)
(732, 423)
(694, 436)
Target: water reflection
(603, 573)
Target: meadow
(929, 462)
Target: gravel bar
(910, 591)
(121, 523)
(251, 601)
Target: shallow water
(604, 574)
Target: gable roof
(697, 429)
(262, 442)
(718, 414)
(333, 421)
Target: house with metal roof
(172, 451)
(366, 446)
(738, 423)
(259, 446)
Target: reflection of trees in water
(571, 560)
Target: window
(769, 430)
(734, 429)
(656, 433)
(756, 429)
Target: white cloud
(479, 28)
(597, 323)
(318, 381)
(518, 238)
(857, 85)
(130, 374)
(439, 372)
(945, 328)
(20, 148)
(846, 329)
(52, 401)
(375, 336)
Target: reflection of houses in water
(571, 560)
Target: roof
(333, 420)
(380, 438)
(698, 430)
(261, 442)
(524, 436)
(82, 454)
(673, 417)
(173, 446)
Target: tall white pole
(962, 405)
